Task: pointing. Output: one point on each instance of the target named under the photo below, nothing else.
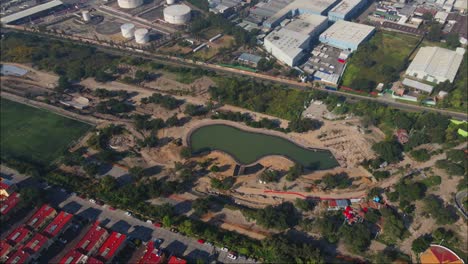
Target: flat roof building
(346, 35)
(93, 239)
(436, 64)
(30, 11)
(418, 85)
(41, 217)
(346, 10)
(249, 59)
(299, 7)
(58, 225)
(289, 42)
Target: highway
(236, 72)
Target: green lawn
(380, 63)
(35, 135)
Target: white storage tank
(127, 30)
(86, 16)
(177, 14)
(170, 2)
(141, 36)
(129, 3)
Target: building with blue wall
(346, 10)
(346, 35)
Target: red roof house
(402, 136)
(58, 225)
(41, 217)
(73, 257)
(93, 260)
(176, 260)
(152, 255)
(111, 246)
(5, 249)
(9, 203)
(38, 243)
(19, 257)
(18, 236)
(93, 239)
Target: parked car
(128, 214)
(111, 208)
(232, 255)
(92, 201)
(101, 203)
(208, 243)
(158, 224)
(149, 221)
(224, 249)
(174, 230)
(201, 241)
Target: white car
(224, 249)
(92, 201)
(128, 213)
(232, 255)
(149, 221)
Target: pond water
(247, 147)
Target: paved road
(230, 71)
(459, 198)
(116, 220)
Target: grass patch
(381, 60)
(35, 135)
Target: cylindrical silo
(86, 16)
(170, 2)
(127, 30)
(177, 14)
(129, 3)
(141, 36)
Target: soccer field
(35, 135)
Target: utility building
(346, 10)
(346, 35)
(288, 43)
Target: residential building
(74, 257)
(6, 187)
(152, 255)
(5, 249)
(41, 217)
(9, 203)
(114, 243)
(58, 225)
(249, 59)
(346, 35)
(288, 43)
(435, 64)
(176, 260)
(19, 257)
(19, 235)
(346, 10)
(93, 239)
(334, 205)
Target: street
(117, 220)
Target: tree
(303, 204)
(420, 155)
(201, 206)
(214, 168)
(269, 176)
(435, 32)
(294, 172)
(453, 40)
(186, 152)
(421, 243)
(167, 221)
(357, 238)
(435, 207)
(339, 180)
(63, 84)
(389, 151)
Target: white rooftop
(290, 42)
(30, 11)
(347, 32)
(437, 62)
(302, 6)
(418, 85)
(345, 6)
(306, 23)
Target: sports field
(35, 135)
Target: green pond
(247, 147)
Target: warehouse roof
(30, 11)
(39, 218)
(345, 6)
(418, 85)
(58, 223)
(437, 62)
(306, 23)
(289, 42)
(347, 32)
(302, 7)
